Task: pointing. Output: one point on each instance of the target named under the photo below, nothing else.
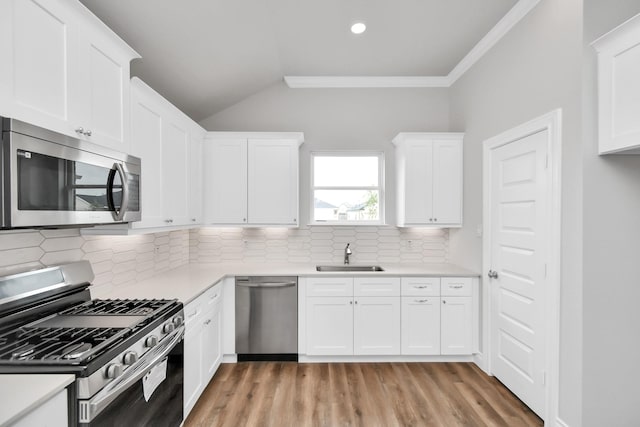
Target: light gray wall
(534, 69)
(339, 119)
(611, 251)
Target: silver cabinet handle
(420, 286)
(455, 286)
(193, 220)
(492, 274)
(435, 219)
(80, 130)
(421, 300)
(87, 132)
(207, 321)
(168, 221)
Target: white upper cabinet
(429, 179)
(169, 144)
(64, 70)
(225, 180)
(251, 178)
(619, 88)
(272, 188)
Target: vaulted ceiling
(206, 55)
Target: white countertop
(22, 393)
(188, 281)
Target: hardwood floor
(357, 394)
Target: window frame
(380, 188)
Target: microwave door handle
(125, 193)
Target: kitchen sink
(349, 268)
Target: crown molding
(299, 82)
(508, 21)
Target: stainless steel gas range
(127, 355)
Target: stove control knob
(168, 328)
(130, 357)
(151, 341)
(114, 370)
(177, 320)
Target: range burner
(55, 345)
(118, 307)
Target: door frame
(551, 122)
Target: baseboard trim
(230, 358)
(560, 423)
(381, 359)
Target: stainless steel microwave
(53, 180)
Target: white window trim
(380, 188)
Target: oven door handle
(89, 409)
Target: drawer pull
(190, 315)
(420, 286)
(213, 296)
(207, 321)
(455, 286)
(421, 300)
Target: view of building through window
(347, 187)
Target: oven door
(149, 393)
(55, 185)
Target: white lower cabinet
(202, 344)
(456, 324)
(376, 325)
(330, 326)
(349, 321)
(52, 413)
(388, 316)
(420, 325)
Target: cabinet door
(175, 172)
(195, 177)
(420, 325)
(101, 89)
(225, 183)
(38, 61)
(52, 413)
(418, 185)
(329, 326)
(273, 182)
(456, 325)
(146, 136)
(376, 325)
(193, 363)
(447, 182)
(212, 342)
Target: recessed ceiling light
(358, 28)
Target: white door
(519, 231)
(330, 326)
(175, 172)
(376, 325)
(420, 325)
(273, 182)
(225, 181)
(456, 325)
(447, 182)
(418, 198)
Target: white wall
(339, 119)
(534, 69)
(611, 251)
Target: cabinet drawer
(329, 287)
(192, 311)
(376, 286)
(456, 286)
(212, 295)
(421, 286)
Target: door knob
(492, 274)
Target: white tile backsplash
(316, 244)
(122, 260)
(116, 260)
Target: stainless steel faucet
(347, 252)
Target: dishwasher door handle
(248, 284)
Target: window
(347, 188)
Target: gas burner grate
(118, 307)
(64, 345)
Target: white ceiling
(206, 55)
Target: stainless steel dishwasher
(267, 318)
